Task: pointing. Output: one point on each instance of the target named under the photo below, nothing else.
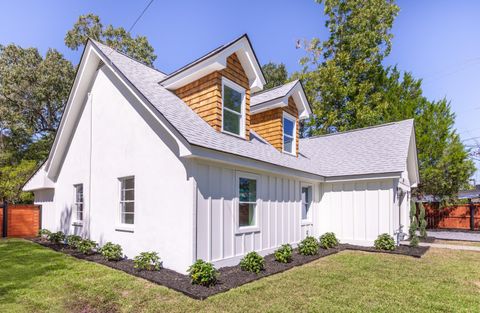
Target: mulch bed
(228, 277)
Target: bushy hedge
(57, 237)
(385, 242)
(308, 246)
(149, 261)
(328, 240)
(203, 273)
(87, 246)
(284, 253)
(252, 262)
(44, 234)
(111, 251)
(73, 240)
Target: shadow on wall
(66, 220)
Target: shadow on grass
(22, 263)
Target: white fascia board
(301, 101)
(39, 181)
(269, 105)
(363, 177)
(205, 154)
(217, 62)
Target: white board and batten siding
(278, 218)
(357, 212)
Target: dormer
(275, 115)
(218, 85)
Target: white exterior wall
(358, 211)
(117, 139)
(279, 214)
(45, 199)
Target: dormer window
(233, 108)
(289, 131)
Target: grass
(36, 279)
(459, 243)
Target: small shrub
(308, 246)
(328, 240)
(284, 254)
(57, 237)
(87, 246)
(44, 234)
(111, 251)
(414, 241)
(73, 240)
(385, 242)
(252, 262)
(202, 273)
(149, 261)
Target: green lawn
(36, 279)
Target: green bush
(87, 246)
(149, 261)
(414, 241)
(203, 273)
(73, 240)
(308, 246)
(284, 254)
(328, 240)
(44, 233)
(385, 242)
(57, 237)
(252, 262)
(111, 251)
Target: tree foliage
(349, 87)
(275, 75)
(90, 26)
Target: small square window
(78, 204)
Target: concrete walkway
(455, 235)
(447, 246)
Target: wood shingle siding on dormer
(204, 96)
(268, 124)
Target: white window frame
(76, 204)
(123, 226)
(309, 219)
(252, 228)
(240, 89)
(294, 141)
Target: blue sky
(437, 40)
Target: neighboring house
(203, 164)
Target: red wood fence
(23, 220)
(453, 217)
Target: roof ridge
(273, 88)
(357, 129)
(125, 55)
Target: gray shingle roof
(273, 93)
(374, 150)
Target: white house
(202, 163)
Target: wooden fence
(22, 220)
(453, 217)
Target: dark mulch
(228, 277)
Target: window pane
(305, 208)
(288, 126)
(246, 214)
(128, 183)
(288, 144)
(129, 195)
(128, 207)
(306, 201)
(79, 213)
(248, 190)
(231, 122)
(232, 99)
(127, 218)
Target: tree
(90, 26)
(349, 88)
(412, 231)
(12, 179)
(341, 74)
(422, 221)
(275, 75)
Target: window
(78, 202)
(247, 204)
(127, 200)
(289, 133)
(306, 202)
(233, 108)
